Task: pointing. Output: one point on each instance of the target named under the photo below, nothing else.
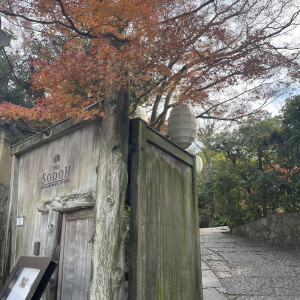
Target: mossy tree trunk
(107, 245)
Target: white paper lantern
(199, 164)
(182, 125)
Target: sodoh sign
(57, 174)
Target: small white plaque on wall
(20, 221)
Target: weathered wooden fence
(52, 177)
(5, 166)
(51, 211)
(164, 245)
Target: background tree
(289, 152)
(16, 72)
(248, 177)
(207, 203)
(15, 75)
(14, 89)
(219, 194)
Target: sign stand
(28, 279)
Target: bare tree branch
(69, 27)
(194, 11)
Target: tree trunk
(107, 245)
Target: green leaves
(254, 170)
(15, 89)
(289, 151)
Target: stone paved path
(239, 269)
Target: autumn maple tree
(217, 55)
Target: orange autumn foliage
(163, 51)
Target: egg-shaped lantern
(199, 164)
(182, 125)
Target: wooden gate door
(75, 258)
(164, 246)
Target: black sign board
(28, 279)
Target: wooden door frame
(74, 215)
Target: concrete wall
(164, 247)
(5, 168)
(276, 229)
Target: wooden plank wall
(78, 152)
(164, 243)
(5, 169)
(75, 258)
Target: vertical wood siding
(75, 259)
(78, 150)
(164, 238)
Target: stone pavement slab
(239, 269)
